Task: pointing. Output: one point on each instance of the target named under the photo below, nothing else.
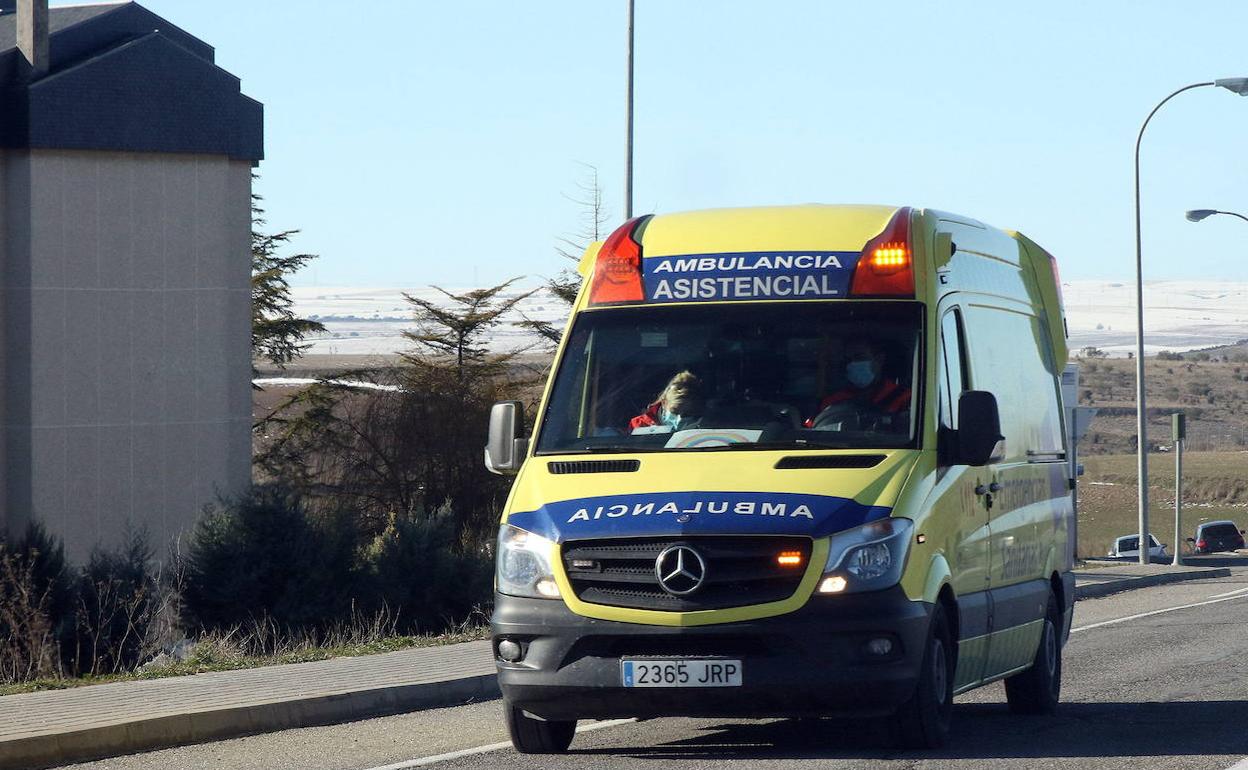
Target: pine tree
(277, 334)
(456, 333)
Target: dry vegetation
(1213, 394)
(261, 643)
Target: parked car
(1128, 547)
(1215, 536)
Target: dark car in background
(1215, 536)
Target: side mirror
(1191, 540)
(979, 439)
(945, 248)
(505, 449)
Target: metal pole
(1178, 501)
(628, 120)
(1140, 407)
(1074, 486)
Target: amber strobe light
(886, 265)
(617, 270)
(789, 559)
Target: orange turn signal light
(886, 265)
(890, 258)
(789, 559)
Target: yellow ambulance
(791, 462)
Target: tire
(535, 736)
(923, 721)
(1038, 689)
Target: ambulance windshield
(796, 375)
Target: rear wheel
(923, 721)
(530, 735)
(1038, 689)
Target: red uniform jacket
(648, 417)
(889, 396)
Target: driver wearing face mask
(867, 391)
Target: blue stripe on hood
(696, 513)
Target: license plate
(681, 673)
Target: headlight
(867, 558)
(522, 566)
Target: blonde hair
(682, 387)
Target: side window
(1013, 362)
(953, 371)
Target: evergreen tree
(457, 332)
(277, 334)
(413, 447)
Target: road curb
(1097, 590)
(181, 729)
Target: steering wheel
(787, 413)
(848, 416)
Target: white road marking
(1091, 626)
(423, 761)
(1230, 593)
(1241, 593)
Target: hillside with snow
(1179, 315)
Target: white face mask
(860, 373)
(668, 418)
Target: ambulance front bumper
(811, 662)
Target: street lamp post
(628, 120)
(1235, 85)
(1195, 215)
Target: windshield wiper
(606, 449)
(763, 445)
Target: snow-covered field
(1179, 315)
(370, 321)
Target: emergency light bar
(617, 270)
(886, 266)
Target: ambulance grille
(740, 571)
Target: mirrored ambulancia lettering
(715, 507)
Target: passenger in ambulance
(679, 406)
(870, 400)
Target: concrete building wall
(126, 307)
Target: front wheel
(1037, 690)
(530, 735)
(923, 721)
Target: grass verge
(237, 649)
(1215, 486)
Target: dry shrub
(28, 646)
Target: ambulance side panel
(991, 329)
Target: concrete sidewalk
(60, 726)
(1102, 578)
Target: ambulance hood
(708, 493)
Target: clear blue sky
(434, 142)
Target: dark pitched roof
(123, 78)
(58, 19)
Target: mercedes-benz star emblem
(680, 570)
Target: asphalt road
(1166, 690)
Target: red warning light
(886, 266)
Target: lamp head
(1195, 215)
(1236, 85)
